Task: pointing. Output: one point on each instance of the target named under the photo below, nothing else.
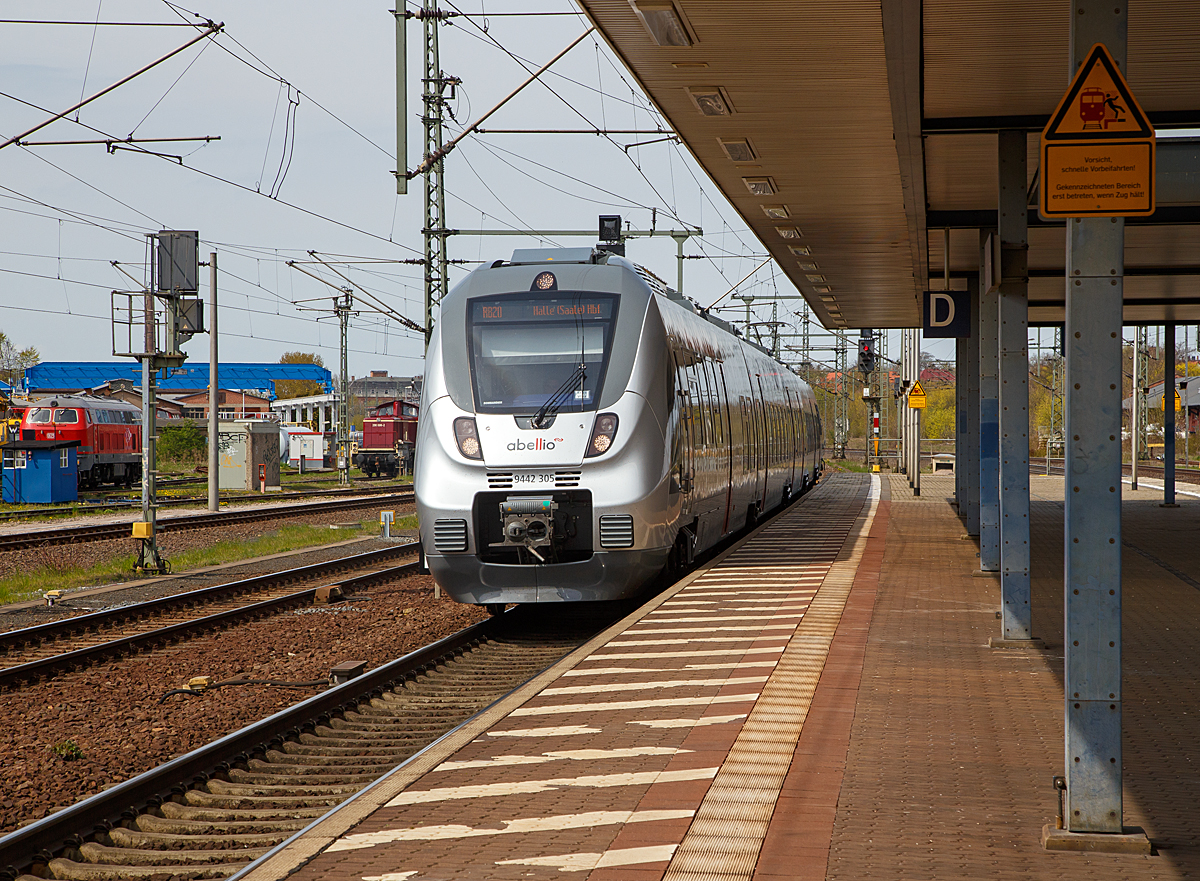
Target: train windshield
(527, 349)
(66, 417)
(40, 416)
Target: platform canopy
(869, 127)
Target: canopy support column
(1168, 405)
(971, 463)
(1095, 262)
(989, 432)
(1017, 629)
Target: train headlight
(604, 432)
(467, 437)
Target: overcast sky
(288, 177)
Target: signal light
(466, 435)
(866, 351)
(604, 432)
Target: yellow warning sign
(916, 397)
(1178, 403)
(1097, 150)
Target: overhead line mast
(433, 117)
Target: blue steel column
(960, 425)
(989, 432)
(1169, 413)
(971, 465)
(1014, 388)
(1092, 533)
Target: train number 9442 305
(540, 477)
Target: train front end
(540, 473)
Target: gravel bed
(85, 600)
(86, 554)
(112, 714)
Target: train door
(764, 434)
(792, 413)
(694, 455)
(724, 437)
(683, 461)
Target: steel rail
(41, 839)
(136, 642)
(100, 532)
(67, 628)
(110, 503)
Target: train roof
(87, 402)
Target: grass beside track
(32, 584)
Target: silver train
(582, 427)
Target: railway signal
(866, 351)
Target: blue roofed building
(62, 377)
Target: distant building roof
(374, 386)
(937, 374)
(51, 376)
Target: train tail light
(466, 434)
(604, 432)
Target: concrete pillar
(1092, 529)
(1014, 390)
(989, 432)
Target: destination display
(588, 306)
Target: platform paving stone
(953, 747)
(920, 752)
(607, 772)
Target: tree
(13, 362)
(939, 417)
(181, 440)
(298, 388)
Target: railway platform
(818, 702)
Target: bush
(181, 441)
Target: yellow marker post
(917, 401)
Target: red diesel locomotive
(109, 432)
(389, 439)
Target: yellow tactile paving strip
(600, 766)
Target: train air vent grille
(500, 481)
(616, 531)
(450, 536)
(566, 478)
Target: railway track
(108, 504)
(1154, 472)
(209, 813)
(43, 651)
(103, 531)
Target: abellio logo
(537, 444)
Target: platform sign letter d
(947, 314)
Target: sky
(302, 97)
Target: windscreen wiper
(555, 401)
